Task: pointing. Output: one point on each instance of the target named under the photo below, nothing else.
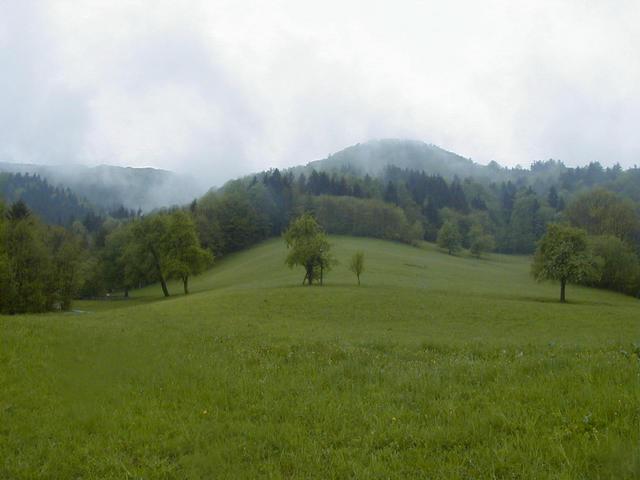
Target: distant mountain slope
(110, 187)
(373, 156)
(52, 204)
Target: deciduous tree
(563, 255)
(149, 248)
(449, 237)
(25, 263)
(184, 255)
(479, 242)
(357, 264)
(308, 246)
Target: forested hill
(53, 204)
(373, 156)
(110, 252)
(110, 187)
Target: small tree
(449, 237)
(479, 241)
(562, 255)
(357, 264)
(308, 246)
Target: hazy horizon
(224, 89)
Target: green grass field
(435, 367)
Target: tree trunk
(309, 276)
(563, 283)
(185, 280)
(126, 292)
(163, 283)
(358, 279)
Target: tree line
(45, 266)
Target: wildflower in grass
(204, 412)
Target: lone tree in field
(357, 264)
(562, 255)
(449, 237)
(184, 254)
(308, 246)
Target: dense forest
(53, 204)
(109, 187)
(44, 266)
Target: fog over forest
(221, 89)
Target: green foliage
(527, 222)
(228, 221)
(363, 217)
(147, 248)
(52, 204)
(41, 267)
(184, 255)
(449, 237)
(618, 265)
(308, 246)
(602, 212)
(479, 242)
(357, 264)
(68, 263)
(18, 211)
(120, 260)
(26, 267)
(563, 256)
(159, 246)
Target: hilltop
(373, 156)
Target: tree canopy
(563, 256)
(449, 237)
(184, 254)
(308, 246)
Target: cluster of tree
(107, 186)
(566, 254)
(612, 226)
(41, 266)
(153, 248)
(309, 247)
(123, 250)
(56, 205)
(52, 204)
(44, 267)
(365, 218)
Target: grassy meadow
(436, 367)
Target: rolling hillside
(436, 367)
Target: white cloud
(228, 87)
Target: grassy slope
(437, 367)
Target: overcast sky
(222, 88)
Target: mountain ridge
(109, 186)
